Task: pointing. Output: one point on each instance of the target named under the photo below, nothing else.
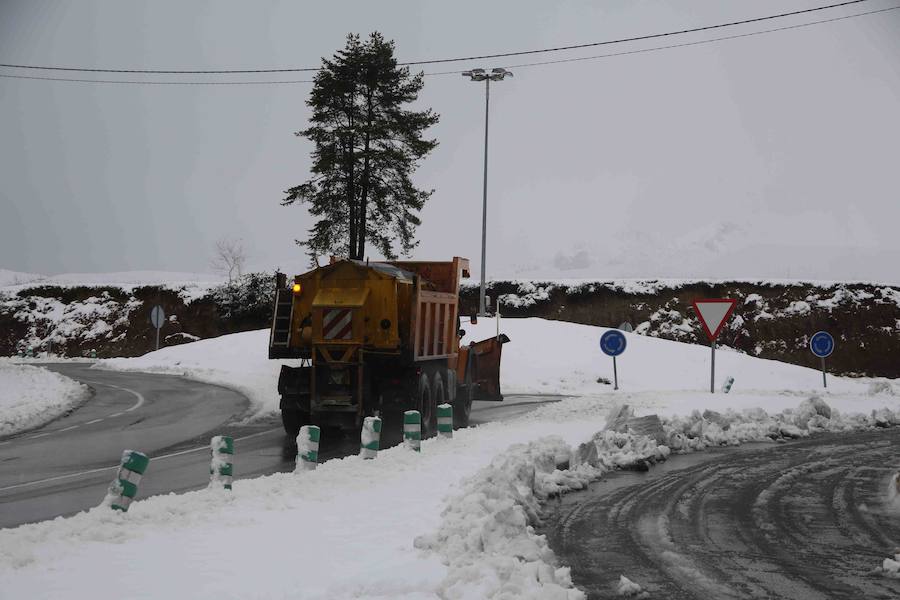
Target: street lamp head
(475, 74)
(499, 73)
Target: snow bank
(31, 396)
(555, 357)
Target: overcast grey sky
(767, 156)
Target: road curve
(806, 520)
(65, 466)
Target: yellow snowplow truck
(375, 338)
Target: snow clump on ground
(630, 589)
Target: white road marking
(69, 428)
(152, 458)
(34, 437)
(140, 398)
(118, 414)
(94, 421)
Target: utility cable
(456, 72)
(443, 60)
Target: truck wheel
(292, 421)
(426, 408)
(439, 392)
(451, 387)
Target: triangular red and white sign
(713, 313)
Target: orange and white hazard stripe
(337, 324)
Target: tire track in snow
(802, 520)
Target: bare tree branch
(229, 257)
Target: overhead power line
(441, 60)
(456, 72)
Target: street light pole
(482, 309)
(480, 75)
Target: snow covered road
(804, 520)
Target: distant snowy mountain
(123, 279)
(16, 278)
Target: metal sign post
(822, 345)
(613, 344)
(713, 312)
(157, 318)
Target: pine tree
(366, 146)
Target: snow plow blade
(479, 365)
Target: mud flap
(484, 360)
(294, 384)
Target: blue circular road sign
(613, 342)
(821, 344)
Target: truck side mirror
(473, 319)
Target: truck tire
(292, 421)
(451, 387)
(426, 407)
(438, 390)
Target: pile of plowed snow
(31, 396)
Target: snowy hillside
(31, 396)
(77, 314)
(450, 522)
(773, 319)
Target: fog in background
(767, 156)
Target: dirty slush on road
(806, 519)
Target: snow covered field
(31, 396)
(451, 522)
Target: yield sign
(713, 313)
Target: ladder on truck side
(281, 319)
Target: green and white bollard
(307, 448)
(412, 430)
(30, 352)
(93, 354)
(729, 381)
(221, 469)
(124, 487)
(21, 353)
(370, 437)
(445, 420)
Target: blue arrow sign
(613, 342)
(821, 344)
